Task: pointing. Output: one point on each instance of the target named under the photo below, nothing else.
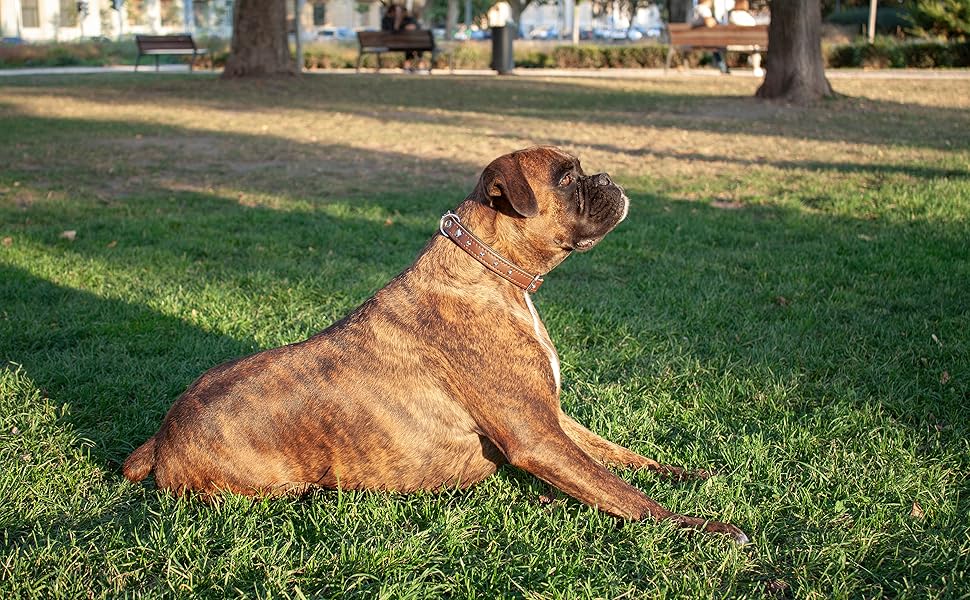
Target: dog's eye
(566, 180)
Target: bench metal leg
(137, 60)
(156, 63)
(670, 56)
(756, 64)
(360, 57)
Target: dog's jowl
(441, 377)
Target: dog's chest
(542, 337)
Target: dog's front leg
(614, 455)
(534, 441)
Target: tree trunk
(795, 70)
(259, 42)
(679, 10)
(517, 6)
(451, 19)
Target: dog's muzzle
(604, 206)
(605, 201)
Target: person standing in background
(703, 16)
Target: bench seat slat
(174, 51)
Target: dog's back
(355, 406)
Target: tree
(795, 70)
(518, 6)
(436, 11)
(941, 18)
(259, 42)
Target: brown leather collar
(451, 227)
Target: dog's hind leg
(614, 455)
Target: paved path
(595, 73)
(94, 70)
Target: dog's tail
(141, 462)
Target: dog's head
(546, 202)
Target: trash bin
(502, 49)
(503, 32)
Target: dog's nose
(602, 179)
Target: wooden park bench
(379, 42)
(157, 45)
(683, 36)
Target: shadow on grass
(456, 100)
(119, 365)
(121, 159)
(729, 157)
(828, 303)
(689, 299)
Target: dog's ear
(504, 186)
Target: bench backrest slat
(165, 42)
(418, 39)
(682, 34)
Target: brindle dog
(437, 380)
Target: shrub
(92, 53)
(948, 19)
(56, 55)
(887, 52)
(889, 19)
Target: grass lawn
(787, 304)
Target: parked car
(543, 33)
(335, 34)
(618, 35)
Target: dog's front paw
(736, 534)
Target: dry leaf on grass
(777, 588)
(112, 243)
(726, 205)
(917, 512)
(781, 301)
(69, 235)
(937, 340)
(945, 378)
(8, 241)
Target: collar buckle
(446, 222)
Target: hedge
(887, 53)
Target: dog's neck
(515, 244)
(452, 228)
